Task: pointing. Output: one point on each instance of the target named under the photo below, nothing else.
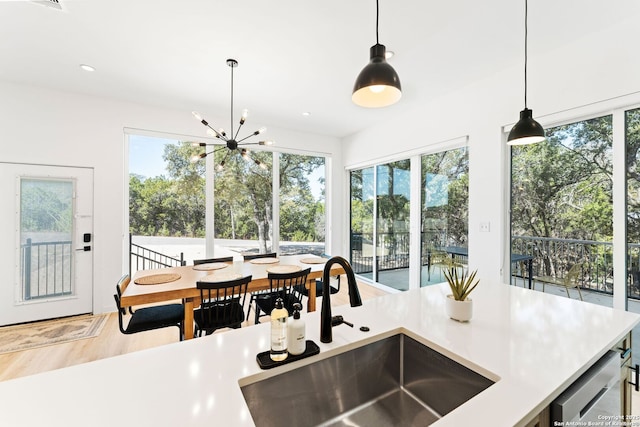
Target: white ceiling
(294, 55)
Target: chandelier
(231, 141)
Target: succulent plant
(461, 283)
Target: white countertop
(532, 344)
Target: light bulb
(262, 130)
(196, 115)
(263, 166)
(245, 113)
(197, 157)
(268, 142)
(376, 88)
(212, 133)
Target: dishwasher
(595, 396)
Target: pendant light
(527, 130)
(378, 84)
(231, 141)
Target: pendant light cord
(525, 52)
(377, 18)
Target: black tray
(265, 362)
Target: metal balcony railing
(145, 259)
(552, 258)
(45, 269)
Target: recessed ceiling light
(306, 113)
(87, 67)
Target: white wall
(41, 126)
(588, 73)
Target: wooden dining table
(183, 283)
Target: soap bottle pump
(296, 334)
(279, 316)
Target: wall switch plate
(485, 227)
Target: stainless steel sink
(393, 381)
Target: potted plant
(458, 305)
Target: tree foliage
(562, 188)
(174, 205)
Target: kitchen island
(533, 345)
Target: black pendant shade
(526, 131)
(378, 84)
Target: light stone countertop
(532, 344)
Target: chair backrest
(121, 286)
(211, 260)
(248, 257)
(573, 275)
(288, 284)
(223, 302)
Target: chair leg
(567, 289)
(579, 293)
(249, 310)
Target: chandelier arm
(247, 137)
(238, 131)
(222, 147)
(218, 134)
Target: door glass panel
(392, 235)
(445, 212)
(561, 211)
(46, 230)
(632, 141)
(361, 211)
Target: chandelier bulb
(268, 142)
(245, 113)
(197, 115)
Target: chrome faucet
(326, 334)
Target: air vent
(55, 4)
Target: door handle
(84, 249)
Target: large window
(381, 211)
(445, 211)
(562, 211)
(168, 200)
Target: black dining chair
(334, 289)
(212, 260)
(281, 285)
(147, 318)
(302, 289)
(222, 305)
(248, 257)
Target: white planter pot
(461, 311)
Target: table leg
(188, 318)
(530, 273)
(311, 304)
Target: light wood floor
(112, 343)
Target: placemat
(156, 279)
(315, 260)
(210, 266)
(284, 268)
(220, 277)
(264, 260)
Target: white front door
(46, 250)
